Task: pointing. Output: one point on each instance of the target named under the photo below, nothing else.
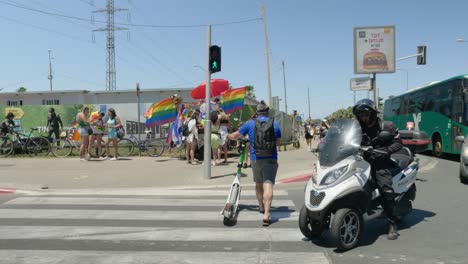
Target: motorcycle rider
(7, 124)
(384, 168)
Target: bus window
(443, 104)
(457, 105)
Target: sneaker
(113, 159)
(82, 159)
(103, 158)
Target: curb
(300, 178)
(7, 190)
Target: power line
(91, 3)
(45, 29)
(131, 24)
(152, 57)
(156, 42)
(74, 38)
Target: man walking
(54, 124)
(264, 135)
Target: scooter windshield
(343, 139)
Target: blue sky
(314, 38)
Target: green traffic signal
(215, 59)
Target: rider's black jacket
(5, 126)
(392, 146)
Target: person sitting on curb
(264, 135)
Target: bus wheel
(437, 147)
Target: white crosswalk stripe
(153, 226)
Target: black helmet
(51, 109)
(364, 105)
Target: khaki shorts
(264, 170)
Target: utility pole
(139, 114)
(376, 91)
(110, 29)
(50, 70)
(267, 53)
(285, 98)
(308, 98)
(207, 126)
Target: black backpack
(265, 139)
(185, 129)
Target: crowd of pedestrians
(91, 129)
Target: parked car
(463, 159)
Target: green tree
(21, 90)
(341, 113)
(250, 91)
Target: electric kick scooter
(230, 210)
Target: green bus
(439, 108)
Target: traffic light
(421, 59)
(215, 59)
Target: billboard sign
(361, 84)
(374, 50)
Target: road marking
(148, 191)
(73, 257)
(138, 215)
(151, 233)
(427, 167)
(135, 201)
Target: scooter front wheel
(305, 225)
(347, 228)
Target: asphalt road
(435, 232)
(151, 225)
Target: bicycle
(154, 147)
(31, 145)
(64, 146)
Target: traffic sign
(359, 84)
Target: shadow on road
(375, 228)
(222, 176)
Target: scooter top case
(416, 141)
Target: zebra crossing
(147, 225)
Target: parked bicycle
(33, 146)
(153, 147)
(64, 146)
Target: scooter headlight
(334, 175)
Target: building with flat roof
(34, 105)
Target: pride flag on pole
(161, 113)
(233, 100)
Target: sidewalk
(137, 172)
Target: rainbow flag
(233, 100)
(161, 113)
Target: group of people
(264, 135)
(312, 132)
(219, 131)
(93, 129)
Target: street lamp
(407, 70)
(200, 67)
